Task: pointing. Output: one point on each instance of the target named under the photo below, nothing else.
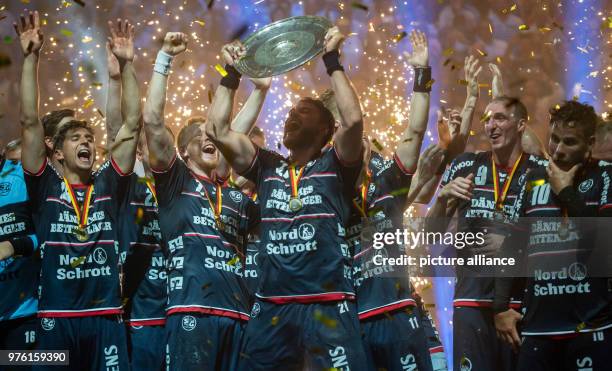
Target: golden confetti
(325, 320)
(96, 84)
(429, 83)
(490, 28)
(484, 85)
(88, 103)
(581, 326)
(201, 23)
(75, 263)
(523, 27)
(485, 116)
(535, 183)
(472, 132)
(66, 32)
(397, 38)
(545, 29)
(274, 320)
(139, 216)
(448, 52)
(481, 52)
(234, 260)
(513, 7)
(221, 70)
(359, 6)
(377, 144)
(463, 82)
(498, 59)
(86, 39)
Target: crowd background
(547, 51)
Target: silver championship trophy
(283, 46)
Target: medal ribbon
(365, 184)
(499, 201)
(151, 187)
(295, 180)
(81, 214)
(216, 208)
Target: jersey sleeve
(605, 200)
(169, 183)
(394, 179)
(264, 159)
(39, 184)
(115, 180)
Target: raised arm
(159, 140)
(497, 83)
(113, 98)
(458, 143)
(409, 148)
(32, 133)
(123, 151)
(246, 118)
(348, 138)
(236, 147)
(423, 187)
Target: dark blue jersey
(561, 297)
(306, 257)
(205, 265)
(145, 264)
(18, 275)
(253, 259)
(381, 288)
(478, 216)
(78, 278)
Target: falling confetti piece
(535, 183)
(490, 28)
(234, 260)
(86, 39)
(448, 52)
(397, 38)
(472, 132)
(513, 7)
(274, 320)
(201, 23)
(484, 85)
(463, 82)
(139, 216)
(221, 70)
(325, 320)
(446, 62)
(486, 116)
(100, 112)
(580, 326)
(377, 144)
(481, 52)
(523, 27)
(88, 103)
(499, 60)
(78, 261)
(359, 6)
(545, 29)
(66, 32)
(429, 83)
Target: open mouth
(209, 149)
(84, 154)
(494, 136)
(292, 124)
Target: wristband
(22, 246)
(422, 78)
(332, 62)
(232, 79)
(163, 62)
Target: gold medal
(80, 231)
(498, 214)
(81, 234)
(295, 204)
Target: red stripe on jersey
(472, 303)
(203, 310)
(438, 349)
(79, 313)
(40, 171)
(307, 299)
(387, 308)
(147, 322)
(118, 169)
